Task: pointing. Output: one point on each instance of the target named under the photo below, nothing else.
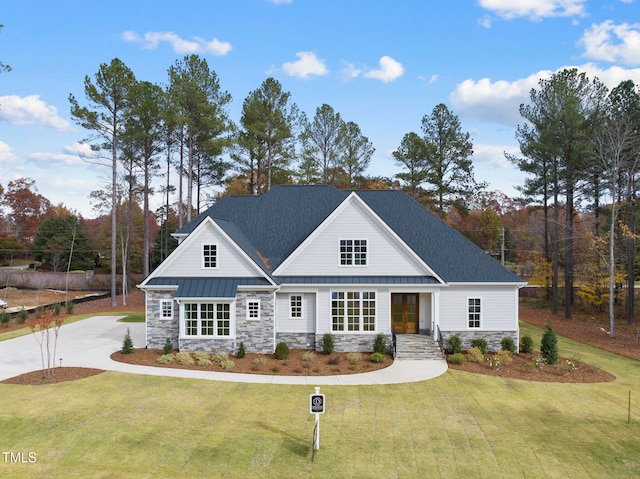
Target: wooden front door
(404, 313)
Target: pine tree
(549, 345)
(127, 344)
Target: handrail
(440, 342)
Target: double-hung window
(166, 309)
(474, 312)
(353, 311)
(207, 319)
(353, 252)
(209, 256)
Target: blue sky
(381, 64)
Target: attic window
(353, 252)
(209, 256)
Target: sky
(381, 64)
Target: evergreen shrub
(454, 345)
(282, 351)
(327, 343)
(481, 344)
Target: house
(302, 261)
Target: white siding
(186, 260)
(385, 254)
(499, 308)
(306, 324)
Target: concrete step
(416, 346)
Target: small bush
(5, 318)
(70, 305)
(282, 351)
(309, 356)
(202, 358)
(481, 344)
(56, 308)
(526, 344)
(23, 314)
(454, 345)
(353, 358)
(241, 351)
(184, 358)
(327, 343)
(168, 347)
(380, 344)
(333, 360)
(39, 311)
(507, 344)
(259, 361)
(549, 346)
(227, 364)
(501, 358)
(127, 344)
(218, 358)
(457, 358)
(166, 359)
(475, 355)
(377, 358)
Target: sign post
(316, 406)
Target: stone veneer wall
(493, 338)
(158, 329)
(297, 340)
(257, 335)
(346, 343)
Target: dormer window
(209, 256)
(353, 252)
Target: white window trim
(291, 316)
(232, 323)
(202, 245)
(162, 303)
(249, 301)
(481, 313)
(367, 257)
(345, 323)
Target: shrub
(481, 344)
(501, 358)
(259, 361)
(39, 311)
(353, 358)
(377, 358)
(202, 358)
(56, 308)
(184, 358)
(168, 347)
(241, 351)
(380, 344)
(227, 364)
(218, 358)
(282, 351)
(549, 345)
(526, 344)
(308, 356)
(507, 344)
(23, 314)
(334, 360)
(127, 344)
(327, 343)
(5, 318)
(475, 355)
(454, 345)
(166, 359)
(70, 305)
(457, 358)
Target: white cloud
(499, 101)
(306, 65)
(389, 70)
(31, 110)
(7, 158)
(350, 71)
(151, 40)
(532, 9)
(600, 42)
(493, 155)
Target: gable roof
(270, 227)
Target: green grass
(136, 317)
(456, 426)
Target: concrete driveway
(89, 343)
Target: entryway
(404, 313)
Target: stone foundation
(493, 338)
(346, 343)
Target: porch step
(416, 346)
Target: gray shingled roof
(273, 225)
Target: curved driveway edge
(90, 342)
